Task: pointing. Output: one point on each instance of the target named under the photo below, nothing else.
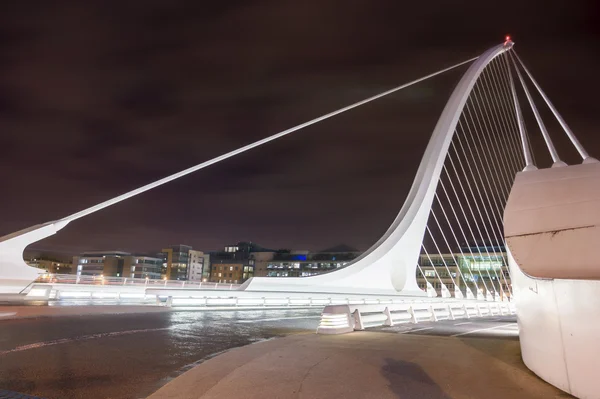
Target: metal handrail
(129, 281)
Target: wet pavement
(132, 355)
(128, 355)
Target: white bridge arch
(389, 266)
(549, 213)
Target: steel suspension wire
(497, 207)
(434, 269)
(488, 126)
(507, 70)
(501, 84)
(460, 225)
(525, 145)
(486, 182)
(455, 239)
(498, 83)
(441, 256)
(492, 188)
(456, 262)
(507, 112)
(245, 148)
(481, 163)
(501, 169)
(499, 73)
(508, 172)
(561, 121)
(504, 167)
(478, 210)
(549, 144)
(490, 218)
(515, 138)
(500, 119)
(470, 210)
(427, 283)
(496, 136)
(501, 111)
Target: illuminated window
(219, 274)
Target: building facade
(303, 263)
(483, 267)
(177, 260)
(199, 266)
(141, 266)
(51, 265)
(117, 264)
(100, 263)
(236, 263)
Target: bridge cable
(516, 167)
(508, 69)
(505, 137)
(436, 272)
(479, 94)
(441, 182)
(456, 263)
(245, 148)
(508, 117)
(501, 170)
(553, 153)
(561, 121)
(503, 74)
(525, 145)
(442, 258)
(487, 197)
(469, 206)
(466, 219)
(508, 163)
(427, 283)
(493, 189)
(456, 240)
(485, 228)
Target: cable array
(463, 251)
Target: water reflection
(129, 355)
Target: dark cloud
(99, 97)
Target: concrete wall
(559, 330)
(558, 311)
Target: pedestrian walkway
(364, 365)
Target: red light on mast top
(507, 38)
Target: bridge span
(478, 182)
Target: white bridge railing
(130, 282)
(339, 319)
(210, 298)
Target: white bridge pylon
(388, 267)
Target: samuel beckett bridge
(477, 183)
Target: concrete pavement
(364, 365)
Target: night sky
(99, 97)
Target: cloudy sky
(99, 97)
